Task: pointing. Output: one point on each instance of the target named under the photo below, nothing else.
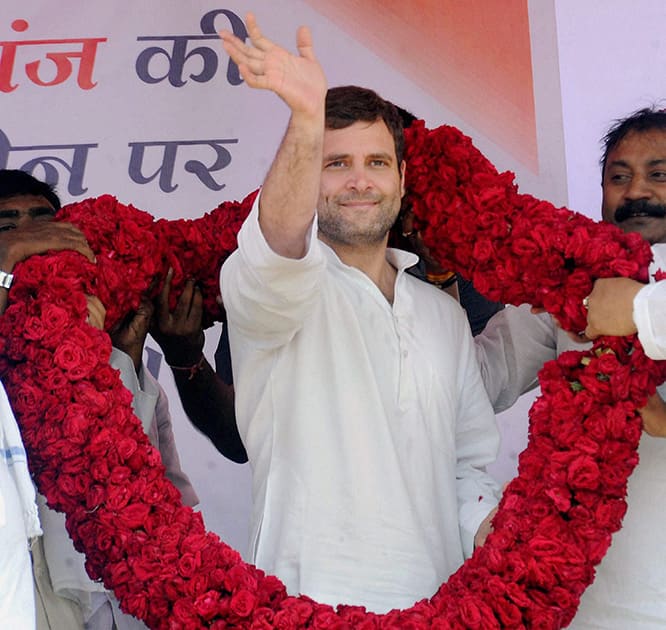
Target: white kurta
(366, 424)
(629, 591)
(650, 318)
(18, 523)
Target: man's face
(634, 185)
(18, 211)
(361, 185)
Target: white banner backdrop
(138, 99)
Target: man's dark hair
(348, 104)
(14, 183)
(641, 121)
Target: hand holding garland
(207, 400)
(610, 307)
(37, 237)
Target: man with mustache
(628, 591)
(358, 396)
(619, 306)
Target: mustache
(639, 207)
(356, 196)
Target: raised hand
(130, 335)
(297, 79)
(179, 332)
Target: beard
(639, 208)
(365, 229)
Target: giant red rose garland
(91, 459)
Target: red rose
(136, 604)
(207, 605)
(188, 564)
(240, 576)
(183, 612)
(133, 515)
(262, 619)
(475, 614)
(583, 473)
(119, 573)
(200, 582)
(243, 602)
(77, 361)
(95, 496)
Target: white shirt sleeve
(511, 350)
(650, 319)
(144, 395)
(267, 296)
(477, 444)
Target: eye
(379, 163)
(335, 164)
(619, 178)
(6, 227)
(658, 176)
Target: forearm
(289, 194)
(511, 350)
(209, 404)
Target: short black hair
(640, 121)
(14, 182)
(348, 104)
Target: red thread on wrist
(192, 369)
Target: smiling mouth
(360, 205)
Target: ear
(403, 168)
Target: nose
(639, 188)
(358, 178)
(23, 220)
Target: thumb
(304, 43)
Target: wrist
(181, 350)
(191, 370)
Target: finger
(238, 50)
(39, 237)
(96, 312)
(196, 309)
(304, 43)
(590, 333)
(255, 67)
(254, 80)
(141, 321)
(256, 36)
(182, 310)
(163, 312)
(146, 309)
(87, 252)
